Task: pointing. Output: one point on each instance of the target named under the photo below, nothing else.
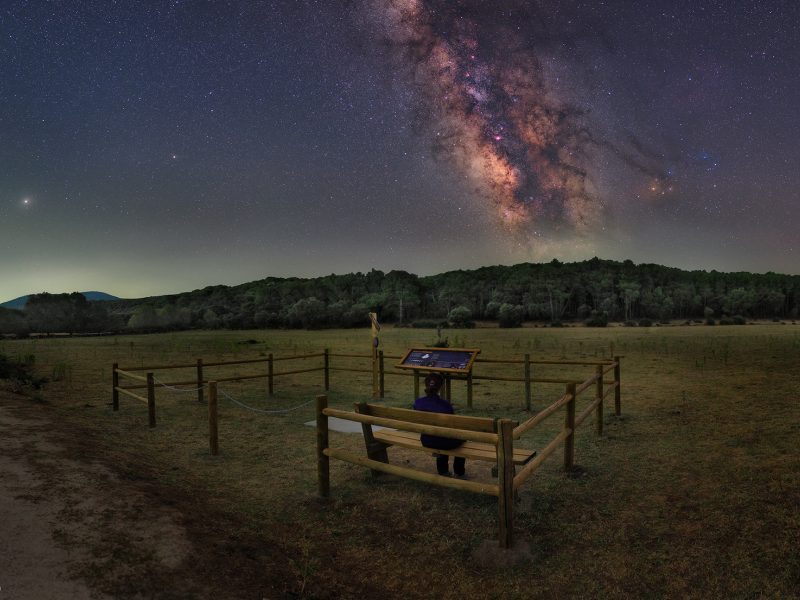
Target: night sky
(158, 147)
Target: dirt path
(71, 527)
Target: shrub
(645, 323)
(556, 324)
(630, 323)
(510, 315)
(425, 324)
(597, 319)
(460, 317)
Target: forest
(594, 292)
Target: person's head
(433, 383)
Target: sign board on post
(453, 361)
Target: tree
(460, 316)
(510, 315)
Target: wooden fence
(502, 439)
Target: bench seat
(472, 450)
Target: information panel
(444, 360)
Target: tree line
(594, 292)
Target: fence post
(326, 365)
(469, 389)
(270, 371)
(505, 464)
(200, 380)
(448, 389)
(528, 382)
(323, 462)
(618, 385)
(599, 392)
(569, 423)
(114, 386)
(382, 374)
(213, 422)
(151, 400)
(416, 383)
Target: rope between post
(179, 389)
(262, 410)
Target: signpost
(376, 392)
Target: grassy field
(693, 492)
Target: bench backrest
(484, 424)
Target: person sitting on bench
(432, 402)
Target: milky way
(490, 110)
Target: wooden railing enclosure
(503, 437)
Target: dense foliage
(594, 292)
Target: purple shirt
(433, 403)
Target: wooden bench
(485, 439)
(385, 438)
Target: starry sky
(157, 147)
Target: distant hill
(19, 303)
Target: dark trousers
(443, 460)
(443, 464)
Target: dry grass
(693, 492)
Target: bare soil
(72, 526)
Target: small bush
(556, 324)
(597, 319)
(645, 323)
(630, 323)
(739, 320)
(710, 321)
(726, 321)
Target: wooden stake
(528, 382)
(213, 422)
(114, 386)
(373, 317)
(323, 462)
(326, 365)
(569, 425)
(599, 393)
(270, 371)
(151, 401)
(382, 374)
(505, 463)
(200, 380)
(469, 389)
(416, 384)
(618, 385)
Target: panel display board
(443, 360)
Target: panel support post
(469, 389)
